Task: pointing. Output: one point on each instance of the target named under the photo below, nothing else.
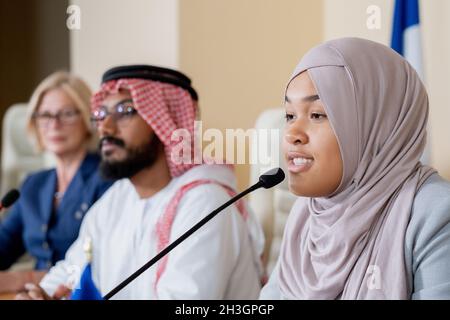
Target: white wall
(241, 53)
(348, 18)
(436, 42)
(117, 32)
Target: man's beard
(136, 160)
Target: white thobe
(219, 261)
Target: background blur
(239, 53)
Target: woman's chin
(61, 151)
(304, 189)
(298, 190)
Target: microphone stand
(180, 239)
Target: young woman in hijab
(46, 219)
(371, 221)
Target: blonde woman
(46, 219)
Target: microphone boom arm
(171, 246)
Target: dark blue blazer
(33, 225)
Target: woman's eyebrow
(311, 98)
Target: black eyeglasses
(121, 114)
(65, 117)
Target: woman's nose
(295, 134)
(54, 123)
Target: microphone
(266, 180)
(271, 178)
(9, 198)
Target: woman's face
(310, 146)
(60, 125)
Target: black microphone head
(10, 197)
(271, 178)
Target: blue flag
(406, 35)
(406, 16)
(406, 40)
(86, 289)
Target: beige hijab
(350, 245)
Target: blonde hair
(77, 90)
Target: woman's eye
(318, 116)
(45, 115)
(68, 113)
(289, 117)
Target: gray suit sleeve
(428, 242)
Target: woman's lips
(299, 162)
(56, 139)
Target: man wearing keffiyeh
(157, 198)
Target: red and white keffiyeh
(165, 107)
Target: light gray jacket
(427, 244)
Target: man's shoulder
(209, 173)
(207, 184)
(208, 192)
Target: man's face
(127, 143)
